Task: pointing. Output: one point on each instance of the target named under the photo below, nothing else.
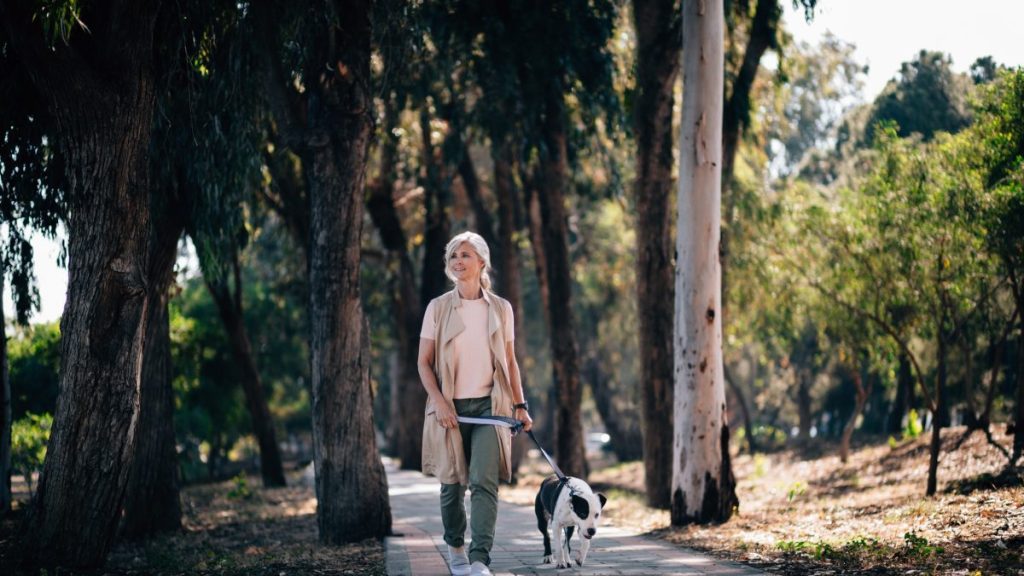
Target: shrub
(29, 436)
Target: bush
(29, 436)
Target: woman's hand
(523, 416)
(446, 415)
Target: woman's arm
(518, 396)
(425, 364)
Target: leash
(516, 427)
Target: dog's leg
(542, 525)
(563, 559)
(581, 554)
(567, 548)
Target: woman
(468, 366)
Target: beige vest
(443, 455)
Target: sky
(885, 32)
(889, 32)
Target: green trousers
(480, 443)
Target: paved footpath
(418, 549)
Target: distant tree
(985, 69)
(802, 113)
(926, 97)
(703, 486)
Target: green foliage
(210, 410)
(913, 428)
(817, 550)
(927, 98)
(919, 547)
(29, 436)
(796, 489)
(31, 180)
(59, 18)
(34, 368)
(240, 488)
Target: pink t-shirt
(474, 368)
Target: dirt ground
(233, 531)
(801, 512)
(804, 512)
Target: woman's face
(465, 264)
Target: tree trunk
(99, 88)
(509, 277)
(5, 414)
(229, 305)
(564, 350)
(152, 503)
(409, 397)
(703, 486)
(736, 113)
(545, 434)
(904, 394)
(1018, 435)
(484, 221)
(860, 399)
(741, 399)
(437, 200)
(351, 486)
(658, 46)
(803, 402)
(622, 425)
(936, 443)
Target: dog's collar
(564, 483)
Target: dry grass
(805, 512)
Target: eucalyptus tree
(319, 92)
(561, 49)
(99, 89)
(703, 486)
(659, 44)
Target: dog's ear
(602, 498)
(580, 506)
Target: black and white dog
(567, 505)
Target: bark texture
(437, 200)
(329, 125)
(659, 43)
(703, 487)
(564, 350)
(152, 504)
(860, 399)
(229, 306)
(99, 90)
(351, 485)
(408, 395)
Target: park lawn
(235, 530)
(804, 512)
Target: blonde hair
(479, 246)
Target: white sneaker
(458, 561)
(480, 569)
